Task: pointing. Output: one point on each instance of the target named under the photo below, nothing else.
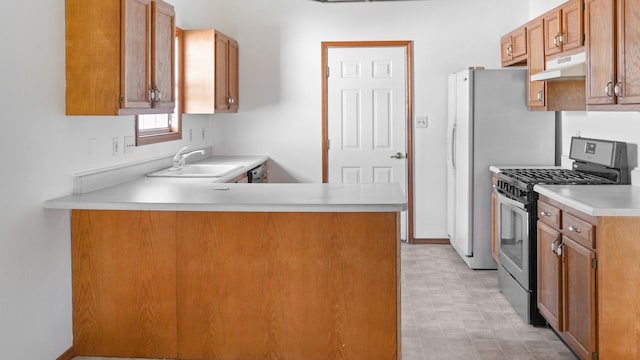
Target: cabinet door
(549, 276)
(572, 25)
(163, 53)
(233, 76)
(222, 65)
(552, 32)
(628, 52)
(601, 58)
(506, 50)
(519, 39)
(536, 62)
(579, 283)
(513, 47)
(135, 78)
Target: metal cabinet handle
(152, 95)
(540, 95)
(617, 89)
(607, 89)
(544, 213)
(158, 95)
(558, 40)
(559, 250)
(574, 229)
(398, 155)
(230, 100)
(553, 245)
(510, 50)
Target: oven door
(513, 235)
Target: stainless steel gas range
(595, 162)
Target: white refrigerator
(488, 124)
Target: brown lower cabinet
(587, 280)
(235, 285)
(567, 275)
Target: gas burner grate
(554, 176)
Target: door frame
(408, 46)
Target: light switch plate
(422, 121)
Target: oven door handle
(508, 201)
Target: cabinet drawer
(578, 230)
(549, 214)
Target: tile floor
(452, 312)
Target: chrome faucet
(179, 158)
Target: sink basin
(197, 171)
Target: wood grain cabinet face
(613, 47)
(211, 72)
(513, 47)
(579, 297)
(119, 57)
(563, 28)
(536, 63)
(549, 275)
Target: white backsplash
(619, 126)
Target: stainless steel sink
(197, 171)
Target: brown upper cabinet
(119, 57)
(613, 49)
(513, 47)
(535, 64)
(211, 72)
(563, 29)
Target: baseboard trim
(430, 241)
(67, 355)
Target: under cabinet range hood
(566, 68)
(341, 1)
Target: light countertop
(498, 168)
(213, 194)
(596, 200)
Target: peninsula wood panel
(288, 285)
(123, 271)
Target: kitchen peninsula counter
(205, 194)
(196, 269)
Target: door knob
(399, 155)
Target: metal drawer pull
(574, 229)
(544, 213)
(553, 245)
(559, 250)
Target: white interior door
(367, 112)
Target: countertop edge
(578, 205)
(566, 194)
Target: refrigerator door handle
(453, 146)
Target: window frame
(174, 131)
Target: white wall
(280, 76)
(41, 148)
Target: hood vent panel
(567, 68)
